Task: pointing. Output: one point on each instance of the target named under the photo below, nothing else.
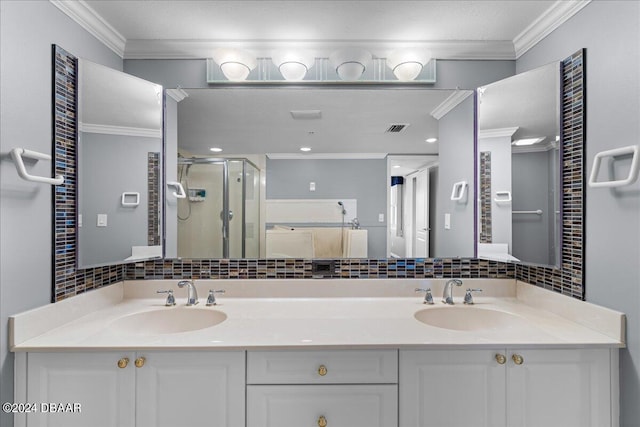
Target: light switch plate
(381, 217)
(447, 221)
(102, 220)
(312, 186)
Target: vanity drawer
(322, 405)
(322, 367)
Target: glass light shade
(350, 64)
(235, 64)
(293, 65)
(407, 64)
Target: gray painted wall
(27, 30)
(610, 31)
(100, 192)
(456, 133)
(532, 235)
(364, 180)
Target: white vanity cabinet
(339, 388)
(527, 387)
(154, 388)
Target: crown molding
(119, 130)
(201, 49)
(496, 133)
(450, 103)
(89, 19)
(552, 18)
(177, 94)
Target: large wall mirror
(119, 154)
(519, 168)
(375, 181)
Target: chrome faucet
(192, 294)
(447, 295)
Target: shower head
(344, 212)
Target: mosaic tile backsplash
(485, 198)
(569, 279)
(69, 281)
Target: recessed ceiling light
(306, 114)
(305, 149)
(215, 149)
(527, 141)
(431, 140)
(396, 166)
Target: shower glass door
(200, 225)
(220, 217)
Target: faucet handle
(428, 298)
(171, 300)
(468, 299)
(211, 299)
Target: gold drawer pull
(122, 363)
(322, 370)
(517, 359)
(501, 359)
(140, 362)
(322, 421)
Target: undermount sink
(467, 318)
(168, 320)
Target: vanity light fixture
(215, 149)
(527, 141)
(431, 140)
(235, 64)
(293, 65)
(350, 63)
(407, 63)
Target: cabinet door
(451, 388)
(104, 391)
(318, 405)
(559, 388)
(190, 389)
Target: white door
(322, 405)
(445, 388)
(191, 389)
(104, 391)
(559, 388)
(421, 212)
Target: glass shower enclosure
(220, 215)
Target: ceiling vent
(397, 128)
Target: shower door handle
(230, 216)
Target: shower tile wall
(68, 281)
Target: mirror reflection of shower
(218, 190)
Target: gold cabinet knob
(140, 362)
(501, 359)
(322, 421)
(122, 363)
(322, 370)
(517, 359)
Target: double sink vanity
(320, 353)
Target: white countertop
(363, 313)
